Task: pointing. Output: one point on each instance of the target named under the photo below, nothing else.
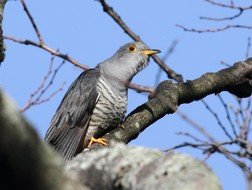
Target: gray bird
(96, 102)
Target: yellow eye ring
(132, 48)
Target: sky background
(82, 30)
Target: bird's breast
(109, 111)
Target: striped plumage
(96, 101)
(109, 110)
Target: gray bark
(120, 167)
(2, 46)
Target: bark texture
(120, 167)
(169, 95)
(2, 46)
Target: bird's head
(128, 60)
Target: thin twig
(248, 48)
(43, 81)
(228, 114)
(231, 6)
(35, 27)
(191, 136)
(223, 18)
(187, 144)
(48, 49)
(36, 96)
(217, 119)
(240, 10)
(195, 125)
(139, 88)
(239, 163)
(50, 96)
(110, 11)
(214, 29)
(226, 64)
(168, 53)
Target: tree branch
(122, 167)
(169, 96)
(48, 49)
(110, 11)
(2, 47)
(34, 25)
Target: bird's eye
(132, 48)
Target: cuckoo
(96, 102)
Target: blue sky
(82, 30)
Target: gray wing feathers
(69, 124)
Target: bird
(96, 102)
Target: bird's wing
(70, 122)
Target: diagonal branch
(48, 49)
(196, 126)
(167, 54)
(169, 96)
(41, 41)
(217, 118)
(229, 6)
(114, 15)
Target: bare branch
(230, 6)
(239, 163)
(196, 126)
(223, 18)
(36, 96)
(48, 49)
(226, 64)
(35, 27)
(168, 53)
(240, 10)
(138, 88)
(191, 137)
(217, 119)
(214, 29)
(248, 48)
(228, 114)
(110, 11)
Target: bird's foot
(101, 141)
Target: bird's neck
(118, 82)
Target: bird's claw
(101, 141)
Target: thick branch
(126, 168)
(26, 163)
(169, 96)
(2, 48)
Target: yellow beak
(150, 52)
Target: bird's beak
(150, 52)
